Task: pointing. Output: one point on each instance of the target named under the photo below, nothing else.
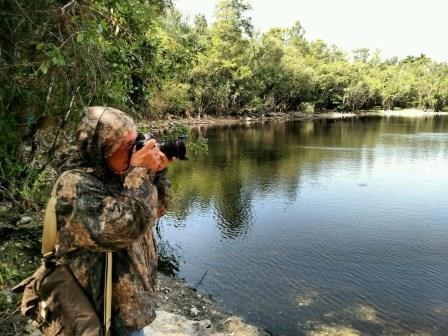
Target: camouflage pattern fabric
(98, 211)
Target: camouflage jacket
(98, 211)
(93, 218)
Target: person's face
(118, 162)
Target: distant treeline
(144, 57)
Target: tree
(361, 55)
(224, 65)
(59, 56)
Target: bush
(174, 98)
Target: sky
(396, 27)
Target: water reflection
(169, 257)
(271, 158)
(233, 210)
(335, 226)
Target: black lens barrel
(171, 148)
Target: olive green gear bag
(56, 303)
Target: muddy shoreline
(194, 313)
(160, 125)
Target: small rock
(24, 220)
(235, 325)
(194, 311)
(174, 325)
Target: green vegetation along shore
(144, 57)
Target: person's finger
(151, 143)
(163, 157)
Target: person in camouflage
(107, 200)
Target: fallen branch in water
(200, 281)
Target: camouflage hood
(98, 136)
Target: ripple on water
(441, 310)
(364, 313)
(307, 299)
(326, 330)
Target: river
(315, 228)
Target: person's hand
(149, 156)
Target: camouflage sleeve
(90, 216)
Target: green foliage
(39, 189)
(198, 146)
(177, 130)
(172, 98)
(195, 144)
(57, 57)
(221, 78)
(18, 259)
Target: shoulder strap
(50, 222)
(50, 228)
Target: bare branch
(60, 127)
(69, 4)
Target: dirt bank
(160, 125)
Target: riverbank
(205, 120)
(183, 310)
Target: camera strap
(107, 294)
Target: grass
(19, 257)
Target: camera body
(171, 148)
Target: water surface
(309, 228)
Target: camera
(171, 148)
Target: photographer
(107, 200)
